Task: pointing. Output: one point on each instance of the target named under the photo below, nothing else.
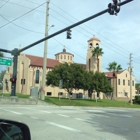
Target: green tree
(137, 85)
(97, 52)
(89, 82)
(1, 54)
(71, 74)
(101, 83)
(114, 67)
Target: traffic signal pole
(16, 52)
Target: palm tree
(113, 67)
(1, 54)
(97, 52)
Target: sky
(22, 22)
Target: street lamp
(50, 27)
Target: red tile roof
(38, 61)
(110, 74)
(93, 38)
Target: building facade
(29, 73)
(121, 84)
(91, 61)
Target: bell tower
(91, 61)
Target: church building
(29, 72)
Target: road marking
(63, 115)
(12, 111)
(36, 110)
(64, 127)
(101, 115)
(86, 120)
(34, 117)
(44, 111)
(96, 111)
(119, 115)
(113, 109)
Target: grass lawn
(80, 102)
(87, 102)
(17, 94)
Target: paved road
(76, 123)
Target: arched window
(64, 56)
(68, 57)
(37, 77)
(90, 45)
(97, 45)
(61, 57)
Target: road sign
(60, 83)
(5, 62)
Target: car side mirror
(13, 130)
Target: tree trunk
(97, 63)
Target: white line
(34, 117)
(101, 115)
(63, 115)
(119, 115)
(96, 111)
(113, 109)
(12, 111)
(36, 110)
(64, 127)
(44, 111)
(86, 120)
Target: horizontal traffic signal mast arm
(63, 30)
(4, 50)
(71, 26)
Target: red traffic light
(13, 80)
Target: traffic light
(111, 9)
(114, 8)
(116, 5)
(13, 80)
(69, 34)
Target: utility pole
(130, 70)
(42, 96)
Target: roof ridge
(39, 57)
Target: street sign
(60, 83)
(5, 62)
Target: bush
(137, 99)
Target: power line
(90, 28)
(39, 32)
(24, 6)
(88, 37)
(23, 14)
(80, 27)
(20, 26)
(33, 2)
(22, 19)
(4, 3)
(33, 31)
